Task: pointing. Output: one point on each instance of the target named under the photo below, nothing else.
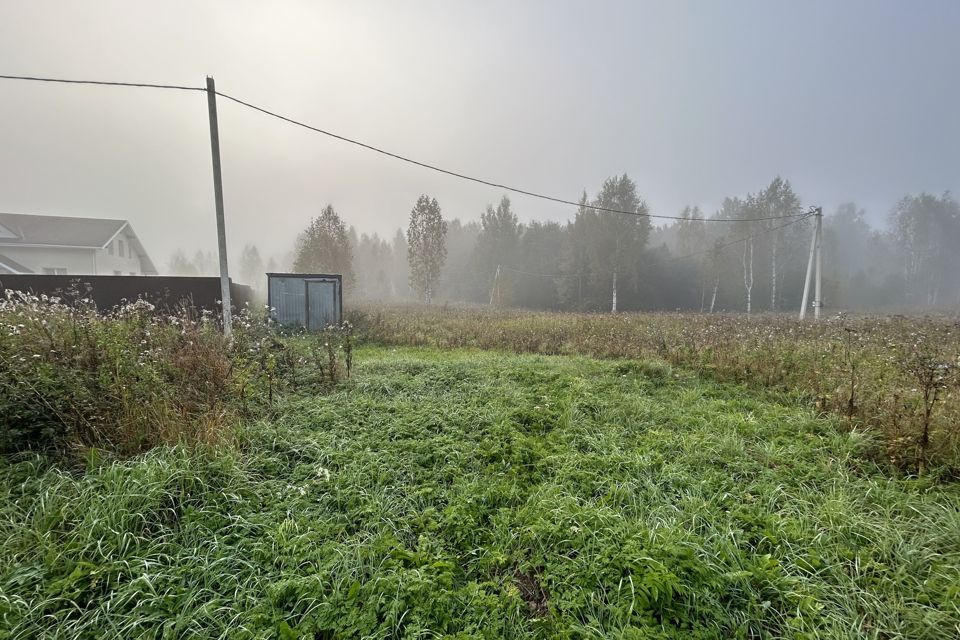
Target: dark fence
(168, 293)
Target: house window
(55, 271)
(118, 273)
(120, 247)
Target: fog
(696, 102)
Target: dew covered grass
(897, 377)
(484, 495)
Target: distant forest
(600, 261)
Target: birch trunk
(716, 285)
(614, 307)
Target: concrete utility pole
(817, 299)
(815, 243)
(495, 291)
(218, 197)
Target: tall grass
(896, 377)
(481, 495)
(73, 378)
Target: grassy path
(474, 494)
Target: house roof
(28, 230)
(61, 231)
(12, 266)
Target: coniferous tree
(575, 266)
(458, 279)
(692, 240)
(537, 281)
(324, 247)
(856, 257)
(613, 242)
(399, 280)
(205, 264)
(372, 259)
(251, 267)
(497, 246)
(181, 265)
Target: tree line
(250, 269)
(603, 261)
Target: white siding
(126, 264)
(75, 261)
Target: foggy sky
(694, 100)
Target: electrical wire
(390, 154)
(105, 83)
(480, 180)
(806, 216)
(542, 275)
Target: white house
(61, 245)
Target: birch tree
(716, 264)
(777, 201)
(426, 246)
(748, 271)
(926, 230)
(613, 242)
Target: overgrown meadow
(75, 381)
(161, 482)
(897, 378)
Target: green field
(475, 494)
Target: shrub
(124, 381)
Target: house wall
(75, 261)
(110, 259)
(104, 262)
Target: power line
(806, 216)
(396, 156)
(105, 83)
(542, 275)
(480, 180)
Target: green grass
(489, 495)
(875, 372)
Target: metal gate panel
(321, 303)
(288, 301)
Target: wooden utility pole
(815, 242)
(218, 197)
